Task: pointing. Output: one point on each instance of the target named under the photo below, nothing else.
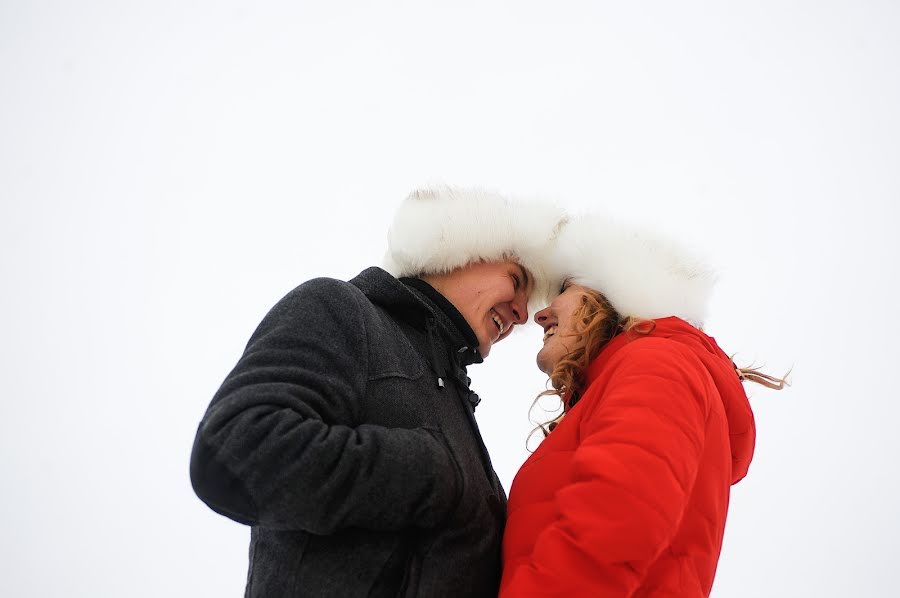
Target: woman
(627, 496)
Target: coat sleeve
(634, 468)
(281, 446)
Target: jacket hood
(741, 425)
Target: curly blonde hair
(596, 323)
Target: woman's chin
(544, 363)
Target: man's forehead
(495, 267)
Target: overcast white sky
(169, 170)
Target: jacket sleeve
(633, 472)
(281, 446)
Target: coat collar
(454, 326)
(412, 301)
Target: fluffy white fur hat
(438, 229)
(642, 273)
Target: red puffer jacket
(628, 495)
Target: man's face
(491, 296)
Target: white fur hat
(438, 229)
(642, 273)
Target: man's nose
(520, 310)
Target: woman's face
(559, 327)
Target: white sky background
(169, 170)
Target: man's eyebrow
(524, 275)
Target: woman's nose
(542, 315)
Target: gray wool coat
(345, 438)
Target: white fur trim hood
(642, 273)
(438, 229)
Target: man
(345, 435)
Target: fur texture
(438, 229)
(643, 274)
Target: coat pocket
(352, 562)
(398, 402)
(398, 571)
(276, 559)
